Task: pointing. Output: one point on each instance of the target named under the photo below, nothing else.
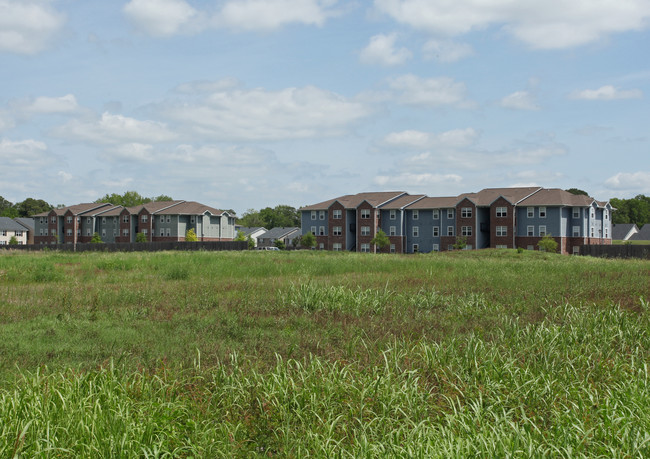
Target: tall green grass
(327, 355)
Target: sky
(244, 104)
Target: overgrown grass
(490, 353)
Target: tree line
(635, 210)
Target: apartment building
(490, 218)
(157, 221)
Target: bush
(547, 244)
(190, 236)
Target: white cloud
(381, 50)
(257, 114)
(446, 50)
(23, 153)
(161, 18)
(638, 182)
(115, 129)
(28, 26)
(408, 180)
(552, 24)
(607, 92)
(431, 92)
(65, 176)
(206, 86)
(520, 100)
(6, 121)
(49, 105)
(456, 138)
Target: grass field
(323, 354)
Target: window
(576, 212)
(321, 231)
(365, 213)
(392, 248)
(502, 212)
(69, 232)
(114, 231)
(393, 214)
(593, 214)
(41, 231)
(466, 212)
(416, 231)
(392, 231)
(69, 219)
(321, 215)
(53, 219)
(576, 231)
(125, 219)
(530, 212)
(365, 248)
(542, 212)
(79, 232)
(162, 231)
(78, 219)
(605, 214)
(466, 231)
(321, 246)
(125, 232)
(436, 248)
(542, 230)
(416, 214)
(88, 232)
(114, 220)
(46, 232)
(337, 214)
(192, 219)
(40, 220)
(336, 231)
(144, 231)
(436, 231)
(530, 230)
(336, 247)
(501, 246)
(450, 231)
(145, 219)
(576, 250)
(313, 230)
(313, 215)
(416, 248)
(103, 220)
(436, 214)
(450, 213)
(104, 232)
(592, 232)
(19, 233)
(502, 231)
(468, 247)
(365, 231)
(169, 232)
(162, 219)
(89, 220)
(606, 233)
(3, 233)
(169, 218)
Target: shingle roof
(435, 203)
(403, 201)
(187, 208)
(279, 233)
(351, 201)
(487, 196)
(26, 222)
(153, 207)
(621, 230)
(643, 234)
(557, 197)
(77, 209)
(246, 230)
(9, 224)
(113, 211)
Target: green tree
(577, 191)
(251, 219)
(141, 237)
(190, 235)
(30, 207)
(96, 239)
(547, 244)
(251, 242)
(131, 199)
(461, 243)
(13, 240)
(380, 240)
(308, 240)
(240, 236)
(278, 216)
(279, 243)
(7, 208)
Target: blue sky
(250, 103)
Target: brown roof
(153, 207)
(403, 201)
(557, 197)
(113, 211)
(487, 196)
(351, 201)
(77, 209)
(435, 203)
(188, 208)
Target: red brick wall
(148, 225)
(446, 241)
(122, 226)
(508, 221)
(332, 222)
(471, 221)
(370, 222)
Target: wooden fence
(134, 246)
(616, 251)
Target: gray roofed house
(285, 234)
(10, 228)
(254, 232)
(623, 231)
(643, 234)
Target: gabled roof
(153, 207)
(557, 197)
(249, 230)
(434, 203)
(487, 196)
(403, 201)
(279, 233)
(643, 234)
(113, 211)
(352, 201)
(623, 231)
(26, 222)
(9, 224)
(187, 208)
(77, 209)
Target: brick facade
(469, 221)
(508, 221)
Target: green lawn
(620, 242)
(326, 354)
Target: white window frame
(392, 248)
(501, 231)
(392, 231)
(466, 231)
(321, 231)
(530, 230)
(68, 219)
(162, 232)
(314, 215)
(392, 214)
(575, 231)
(365, 213)
(365, 247)
(542, 230)
(321, 215)
(435, 214)
(337, 247)
(450, 231)
(314, 231)
(416, 214)
(103, 232)
(501, 212)
(542, 212)
(125, 232)
(365, 231)
(337, 214)
(436, 231)
(416, 231)
(103, 220)
(169, 232)
(416, 248)
(501, 246)
(144, 231)
(466, 212)
(450, 213)
(337, 231)
(125, 219)
(145, 218)
(436, 248)
(88, 232)
(530, 212)
(169, 218)
(575, 212)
